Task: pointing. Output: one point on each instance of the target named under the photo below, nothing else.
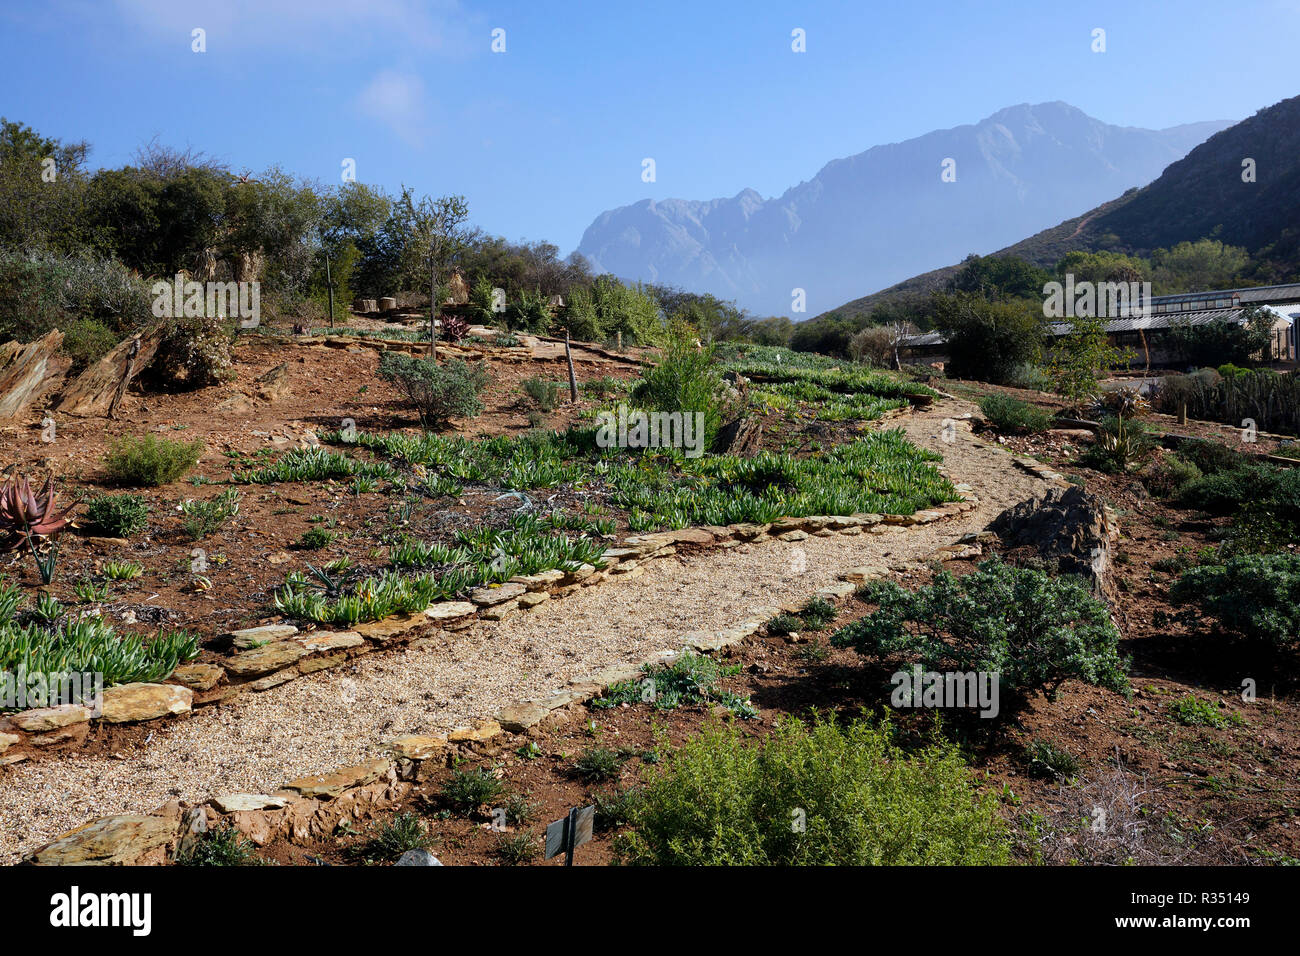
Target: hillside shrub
(812, 795)
(1008, 414)
(1122, 444)
(685, 380)
(1033, 630)
(118, 516)
(439, 392)
(1170, 476)
(542, 391)
(1254, 595)
(150, 460)
(988, 341)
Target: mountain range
(872, 219)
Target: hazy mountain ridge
(866, 220)
(1201, 195)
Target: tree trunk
(573, 379)
(97, 390)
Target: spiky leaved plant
(454, 328)
(30, 518)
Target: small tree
(1081, 356)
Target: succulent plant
(25, 518)
(454, 328)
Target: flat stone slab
(255, 636)
(42, 719)
(448, 610)
(865, 572)
(330, 641)
(265, 659)
(130, 703)
(198, 677)
(498, 594)
(533, 598)
(794, 536)
(838, 591)
(330, 785)
(575, 574)
(390, 628)
(121, 840)
(242, 802)
(518, 718)
(539, 581)
(482, 731)
(418, 746)
(7, 741)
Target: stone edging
(312, 806)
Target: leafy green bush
(1191, 711)
(691, 679)
(221, 846)
(118, 516)
(1009, 414)
(1034, 631)
(1050, 761)
(201, 518)
(150, 460)
(988, 341)
(1170, 477)
(467, 790)
(812, 795)
(313, 539)
(86, 341)
(598, 764)
(439, 392)
(1211, 457)
(542, 391)
(1254, 595)
(685, 380)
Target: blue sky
(543, 137)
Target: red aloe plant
(25, 518)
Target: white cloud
(398, 101)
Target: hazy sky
(543, 137)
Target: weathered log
(97, 390)
(22, 370)
(743, 437)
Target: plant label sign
(568, 833)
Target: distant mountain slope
(1202, 195)
(870, 219)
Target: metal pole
(329, 282)
(570, 837)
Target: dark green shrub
(467, 790)
(598, 765)
(405, 831)
(1254, 595)
(685, 380)
(1034, 631)
(988, 341)
(1191, 711)
(202, 518)
(1170, 477)
(220, 846)
(1047, 760)
(1008, 414)
(118, 516)
(812, 795)
(545, 393)
(514, 849)
(313, 539)
(1211, 457)
(86, 341)
(150, 460)
(439, 392)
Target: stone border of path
(311, 807)
(270, 655)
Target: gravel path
(336, 718)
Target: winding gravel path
(338, 717)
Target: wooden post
(433, 310)
(571, 833)
(573, 379)
(329, 284)
(1182, 414)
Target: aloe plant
(30, 519)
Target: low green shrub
(1254, 595)
(220, 846)
(812, 795)
(1191, 711)
(150, 460)
(686, 380)
(467, 790)
(690, 679)
(1049, 761)
(1122, 444)
(1211, 457)
(1008, 414)
(542, 391)
(1168, 478)
(118, 516)
(439, 391)
(202, 518)
(1034, 631)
